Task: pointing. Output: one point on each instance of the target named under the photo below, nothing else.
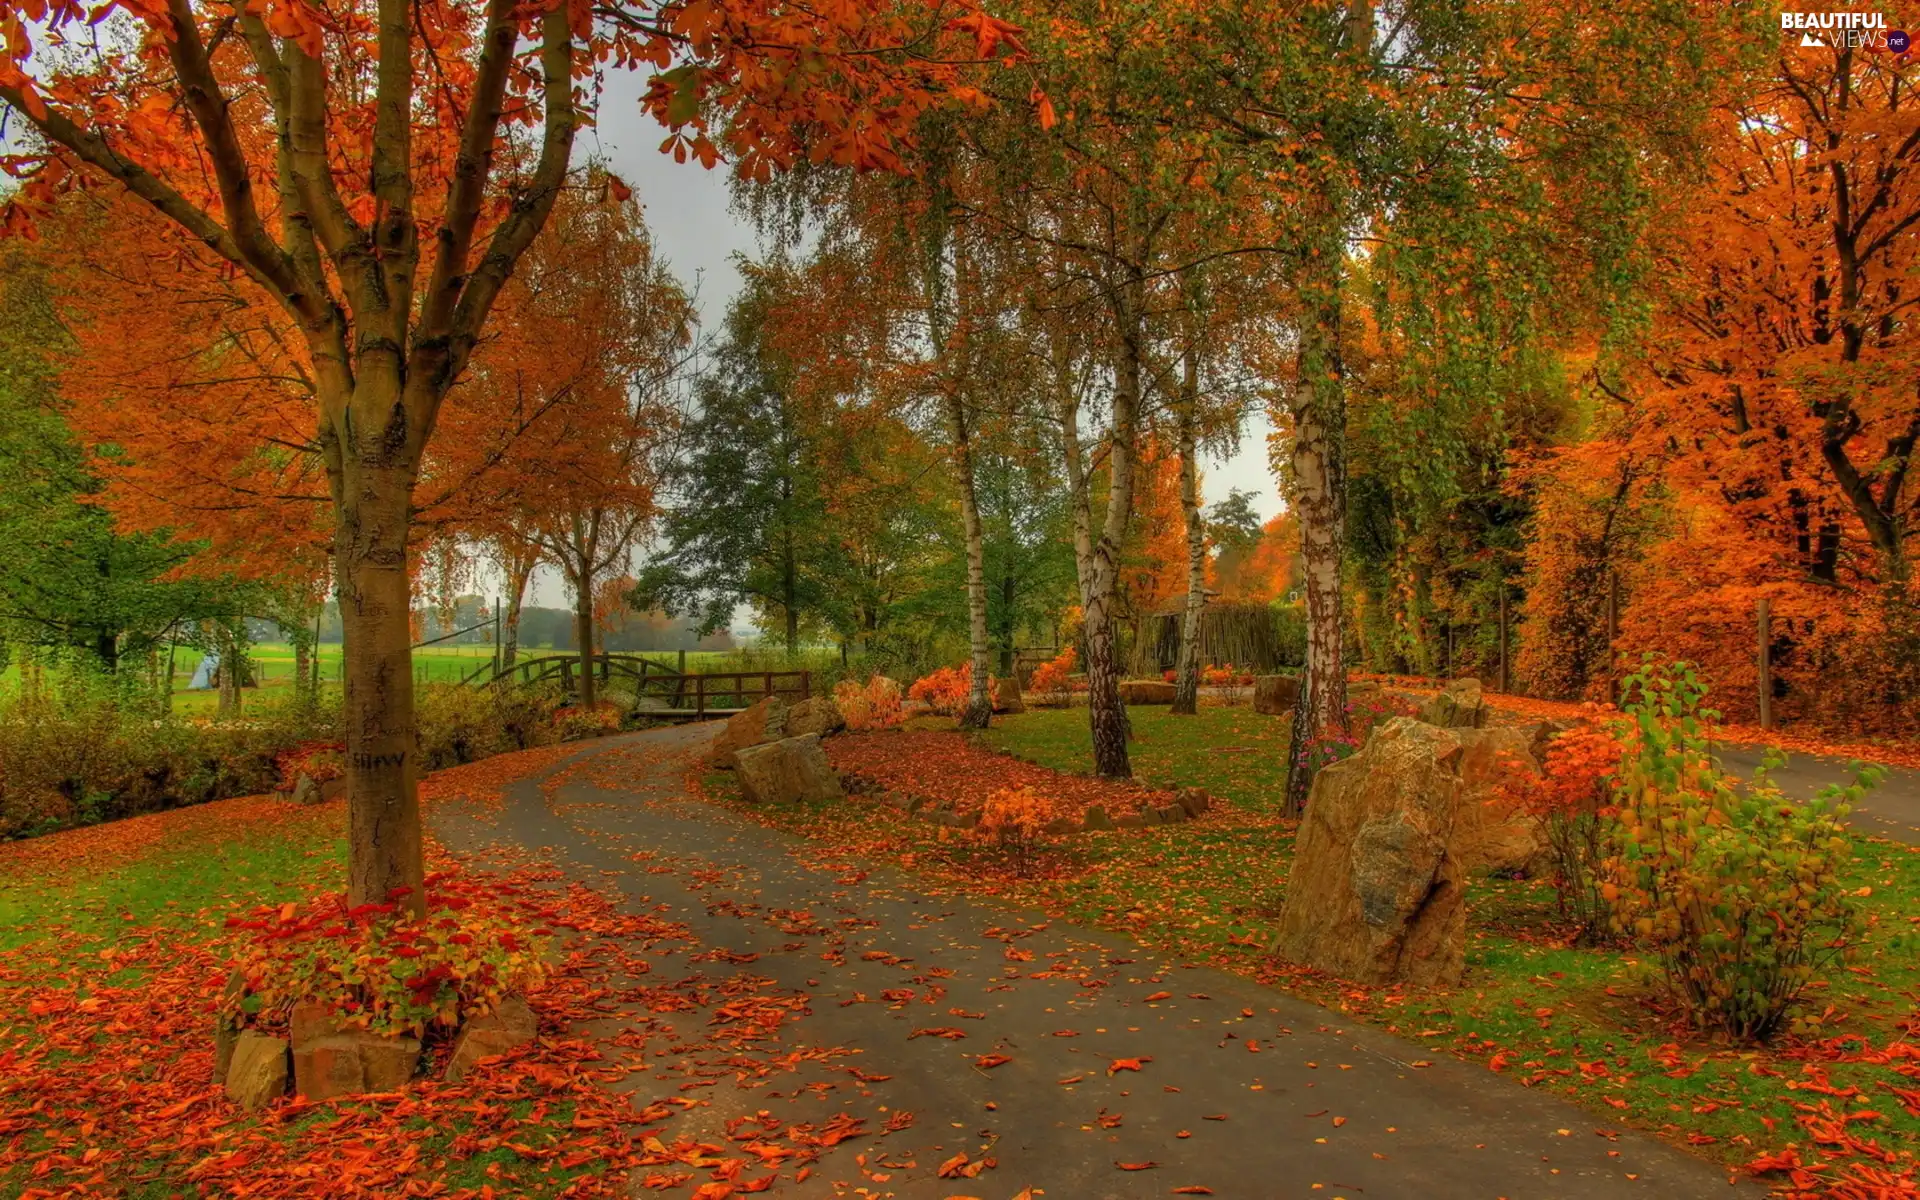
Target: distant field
(273, 667)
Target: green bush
(82, 751)
(1735, 888)
(465, 724)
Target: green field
(273, 667)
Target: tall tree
(329, 155)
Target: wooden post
(1764, 618)
(683, 662)
(699, 697)
(1613, 634)
(806, 685)
(766, 684)
(1506, 673)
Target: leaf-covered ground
(1839, 1113)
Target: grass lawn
(1586, 1022)
(112, 948)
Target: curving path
(1239, 1089)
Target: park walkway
(1112, 1058)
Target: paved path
(877, 959)
(1891, 810)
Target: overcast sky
(695, 230)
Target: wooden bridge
(658, 690)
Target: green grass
(1549, 1012)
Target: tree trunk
(384, 859)
(1186, 688)
(106, 647)
(517, 576)
(979, 707)
(583, 635)
(229, 690)
(1318, 404)
(1006, 622)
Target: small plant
(1736, 889)
(1230, 682)
(1015, 819)
(384, 971)
(1050, 682)
(874, 705)
(1572, 800)
(946, 691)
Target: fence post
(683, 662)
(699, 697)
(766, 685)
(1764, 619)
(806, 685)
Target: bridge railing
(681, 692)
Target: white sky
(695, 230)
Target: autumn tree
(375, 172)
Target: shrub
(81, 751)
(1015, 819)
(1572, 799)
(1050, 679)
(873, 706)
(946, 691)
(319, 761)
(1737, 890)
(465, 724)
(383, 971)
(571, 722)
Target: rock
(761, 723)
(508, 1027)
(916, 804)
(1540, 737)
(1096, 818)
(819, 715)
(1275, 695)
(1491, 830)
(1149, 816)
(306, 790)
(1459, 706)
(257, 1075)
(789, 770)
(226, 1034)
(1375, 896)
(1195, 801)
(1006, 696)
(1145, 691)
(1131, 821)
(1172, 814)
(310, 1021)
(333, 789)
(352, 1063)
(1060, 826)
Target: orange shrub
(1015, 819)
(946, 691)
(876, 705)
(1049, 680)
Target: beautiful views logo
(1853, 30)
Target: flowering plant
(380, 968)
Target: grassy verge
(1586, 1022)
(112, 947)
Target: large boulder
(786, 771)
(764, 722)
(1460, 705)
(1006, 695)
(1491, 830)
(820, 716)
(1376, 895)
(1145, 691)
(1275, 695)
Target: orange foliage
(874, 706)
(1265, 573)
